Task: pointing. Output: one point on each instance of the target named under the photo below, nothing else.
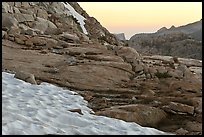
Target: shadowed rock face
(116, 80)
(184, 41)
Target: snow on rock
(45, 109)
(76, 15)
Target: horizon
(132, 18)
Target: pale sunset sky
(139, 17)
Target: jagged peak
(172, 27)
(162, 29)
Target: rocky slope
(43, 42)
(120, 36)
(184, 41)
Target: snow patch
(44, 109)
(76, 15)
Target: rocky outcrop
(43, 24)
(164, 92)
(141, 114)
(95, 29)
(44, 16)
(174, 107)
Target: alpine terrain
(155, 82)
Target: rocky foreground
(157, 91)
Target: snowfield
(76, 15)
(44, 109)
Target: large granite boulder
(23, 17)
(43, 24)
(141, 114)
(8, 21)
(128, 53)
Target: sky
(139, 17)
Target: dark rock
(76, 110)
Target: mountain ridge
(44, 42)
(164, 40)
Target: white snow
(43, 109)
(76, 15)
